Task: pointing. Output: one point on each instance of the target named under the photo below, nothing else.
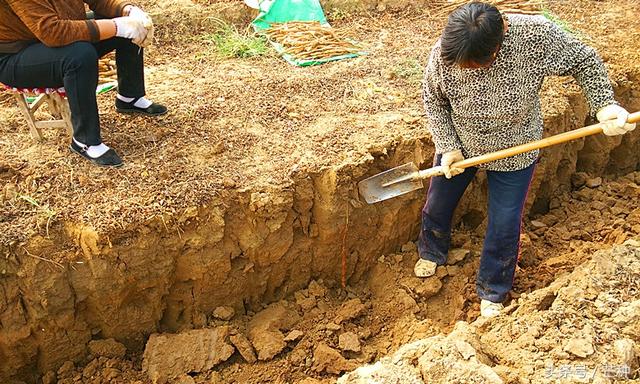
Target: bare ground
(237, 124)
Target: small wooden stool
(58, 106)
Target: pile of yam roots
(310, 40)
(527, 7)
(107, 70)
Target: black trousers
(75, 66)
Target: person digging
(51, 43)
(481, 95)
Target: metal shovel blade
(383, 186)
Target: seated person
(51, 43)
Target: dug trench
(260, 268)
(261, 247)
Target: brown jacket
(53, 22)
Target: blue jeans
(507, 195)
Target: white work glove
(148, 40)
(130, 28)
(139, 14)
(614, 120)
(147, 22)
(449, 158)
(262, 5)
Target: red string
(344, 250)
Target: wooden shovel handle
(543, 143)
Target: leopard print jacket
(487, 109)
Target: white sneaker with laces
(489, 308)
(425, 268)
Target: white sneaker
(489, 308)
(425, 268)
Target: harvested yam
(107, 70)
(310, 40)
(528, 7)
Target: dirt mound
(583, 327)
(593, 216)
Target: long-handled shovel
(407, 178)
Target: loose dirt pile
(584, 327)
(600, 213)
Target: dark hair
(473, 34)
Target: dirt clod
(424, 288)
(316, 289)
(218, 148)
(224, 313)
(9, 192)
(579, 179)
(327, 359)
(244, 347)
(280, 316)
(594, 182)
(453, 270)
(107, 348)
(350, 310)
(265, 329)
(65, 369)
(538, 224)
(625, 352)
(294, 335)
(349, 342)
(267, 342)
(168, 356)
(331, 326)
(457, 255)
(409, 247)
(306, 303)
(579, 347)
(49, 378)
